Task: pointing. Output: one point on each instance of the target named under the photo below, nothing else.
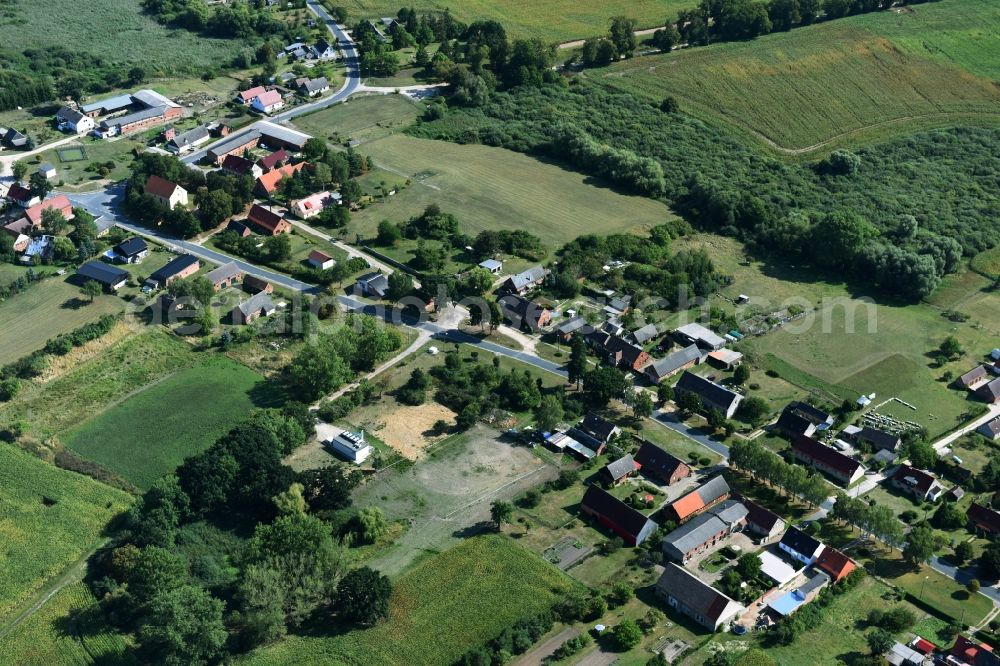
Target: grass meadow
(854, 78)
(49, 518)
(44, 311)
(493, 188)
(361, 119)
(150, 433)
(116, 31)
(66, 631)
(446, 604)
(550, 20)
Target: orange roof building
(268, 183)
(59, 202)
(835, 563)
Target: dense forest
(900, 214)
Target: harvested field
(408, 429)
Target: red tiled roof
(269, 181)
(160, 187)
(269, 98)
(984, 517)
(264, 218)
(319, 256)
(687, 505)
(922, 480)
(18, 192)
(268, 162)
(248, 95)
(237, 164)
(923, 645)
(835, 563)
(59, 202)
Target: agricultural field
(66, 631)
(493, 188)
(131, 37)
(550, 20)
(445, 605)
(844, 81)
(49, 519)
(151, 432)
(44, 311)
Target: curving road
(352, 83)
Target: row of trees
(765, 465)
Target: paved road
(352, 83)
(991, 413)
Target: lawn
(132, 36)
(551, 20)
(150, 433)
(44, 311)
(49, 518)
(868, 75)
(66, 631)
(444, 606)
(493, 188)
(933, 588)
(72, 171)
(361, 119)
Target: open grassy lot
(493, 188)
(131, 36)
(44, 311)
(446, 605)
(934, 589)
(551, 20)
(361, 119)
(73, 173)
(50, 406)
(66, 631)
(150, 433)
(49, 518)
(873, 74)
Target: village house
(571, 327)
(660, 466)
(166, 193)
(712, 395)
(255, 285)
(877, 440)
(618, 352)
(273, 160)
(704, 531)
(800, 546)
(686, 593)
(268, 222)
(974, 378)
(314, 204)
(835, 564)
(321, 260)
(71, 120)
(595, 432)
(110, 277)
(268, 102)
(761, 522)
(373, 284)
(990, 392)
(525, 281)
(13, 139)
(267, 183)
(177, 269)
(130, 251)
(314, 87)
(990, 430)
(20, 195)
(827, 460)
(238, 228)
(983, 520)
(59, 202)
(704, 497)
(255, 307)
(802, 419)
(916, 482)
(632, 526)
(672, 363)
(241, 166)
(227, 275)
(524, 314)
(182, 143)
(617, 472)
(246, 97)
(324, 50)
(696, 334)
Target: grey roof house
(686, 593)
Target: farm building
(704, 497)
(255, 285)
(111, 278)
(177, 269)
(321, 260)
(618, 352)
(148, 109)
(659, 465)
(239, 228)
(618, 471)
(760, 521)
(182, 143)
(525, 281)
(704, 531)
(268, 222)
(631, 525)
(917, 483)
(274, 160)
(990, 392)
(827, 460)
(727, 359)
(373, 284)
(686, 593)
(71, 120)
(974, 378)
(349, 445)
(235, 146)
(227, 275)
(168, 194)
(696, 334)
(878, 440)
(671, 364)
(257, 306)
(801, 418)
(990, 430)
(983, 519)
(643, 335)
(523, 313)
(712, 395)
(577, 325)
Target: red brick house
(631, 525)
(827, 459)
(659, 465)
(835, 563)
(983, 519)
(267, 221)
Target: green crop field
(444, 606)
(149, 434)
(864, 76)
(551, 20)
(493, 188)
(66, 631)
(49, 518)
(44, 311)
(361, 119)
(116, 31)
